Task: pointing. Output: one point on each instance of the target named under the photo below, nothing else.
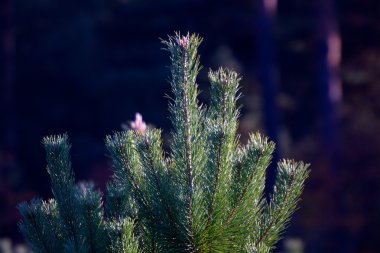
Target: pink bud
(138, 125)
(183, 41)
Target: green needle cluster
(206, 194)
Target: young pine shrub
(205, 195)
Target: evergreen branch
(186, 119)
(127, 168)
(93, 228)
(121, 234)
(120, 203)
(39, 226)
(62, 180)
(129, 174)
(246, 194)
(31, 229)
(221, 142)
(255, 160)
(216, 180)
(187, 136)
(152, 157)
(223, 113)
(272, 221)
(288, 188)
(188, 159)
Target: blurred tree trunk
(329, 56)
(329, 68)
(268, 75)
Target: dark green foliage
(205, 195)
(41, 226)
(93, 227)
(63, 187)
(122, 239)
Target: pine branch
(223, 114)
(128, 171)
(129, 175)
(291, 176)
(251, 172)
(221, 126)
(246, 193)
(121, 233)
(120, 203)
(186, 117)
(92, 212)
(39, 226)
(62, 180)
(161, 190)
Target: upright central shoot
(188, 143)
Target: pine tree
(205, 195)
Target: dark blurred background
(311, 81)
